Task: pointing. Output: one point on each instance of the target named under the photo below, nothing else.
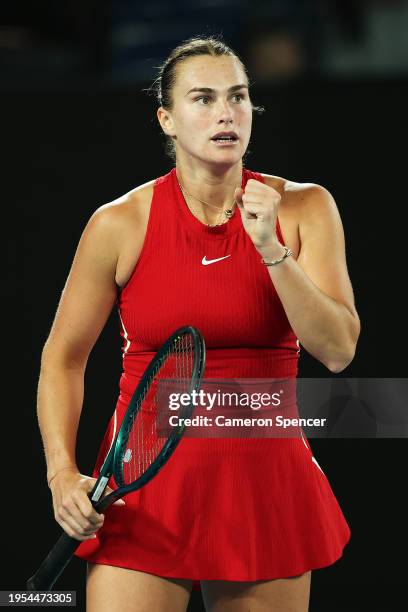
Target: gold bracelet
(276, 261)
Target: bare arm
(86, 302)
(315, 290)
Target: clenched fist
(259, 205)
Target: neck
(215, 184)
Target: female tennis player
(257, 263)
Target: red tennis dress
(221, 508)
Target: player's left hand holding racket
(141, 448)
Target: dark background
(78, 131)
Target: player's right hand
(72, 507)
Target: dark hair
(163, 84)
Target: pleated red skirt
(225, 509)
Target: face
(211, 116)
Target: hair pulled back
(163, 85)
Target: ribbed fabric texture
(221, 509)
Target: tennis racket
(141, 448)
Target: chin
(224, 158)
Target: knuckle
(66, 503)
(61, 510)
(76, 493)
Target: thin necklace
(228, 212)
(195, 213)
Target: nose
(225, 114)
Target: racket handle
(54, 564)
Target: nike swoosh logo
(207, 262)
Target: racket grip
(54, 564)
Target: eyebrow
(209, 90)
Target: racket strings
(148, 430)
(143, 435)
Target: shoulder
(112, 220)
(131, 203)
(309, 201)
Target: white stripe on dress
(126, 336)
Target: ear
(166, 121)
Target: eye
(203, 100)
(238, 97)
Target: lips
(225, 137)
